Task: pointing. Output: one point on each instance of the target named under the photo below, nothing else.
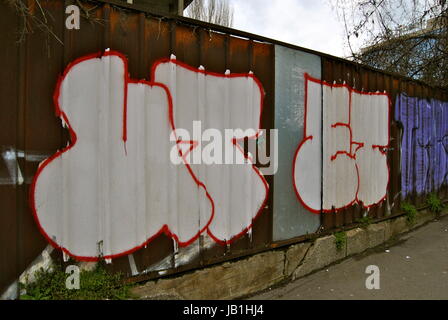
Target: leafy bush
(340, 239)
(434, 203)
(410, 211)
(96, 284)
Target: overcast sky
(311, 24)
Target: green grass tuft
(435, 204)
(96, 284)
(365, 221)
(340, 239)
(410, 211)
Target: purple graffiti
(424, 145)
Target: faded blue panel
(424, 146)
(291, 219)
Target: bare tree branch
(405, 36)
(212, 11)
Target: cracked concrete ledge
(256, 273)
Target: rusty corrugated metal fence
(30, 131)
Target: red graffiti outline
(351, 154)
(165, 228)
(234, 141)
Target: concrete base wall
(236, 279)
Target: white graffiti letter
(115, 188)
(224, 102)
(342, 157)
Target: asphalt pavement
(414, 266)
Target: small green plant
(410, 211)
(434, 203)
(340, 239)
(96, 284)
(365, 221)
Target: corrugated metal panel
(9, 90)
(291, 219)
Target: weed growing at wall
(410, 211)
(96, 284)
(434, 203)
(340, 239)
(364, 222)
